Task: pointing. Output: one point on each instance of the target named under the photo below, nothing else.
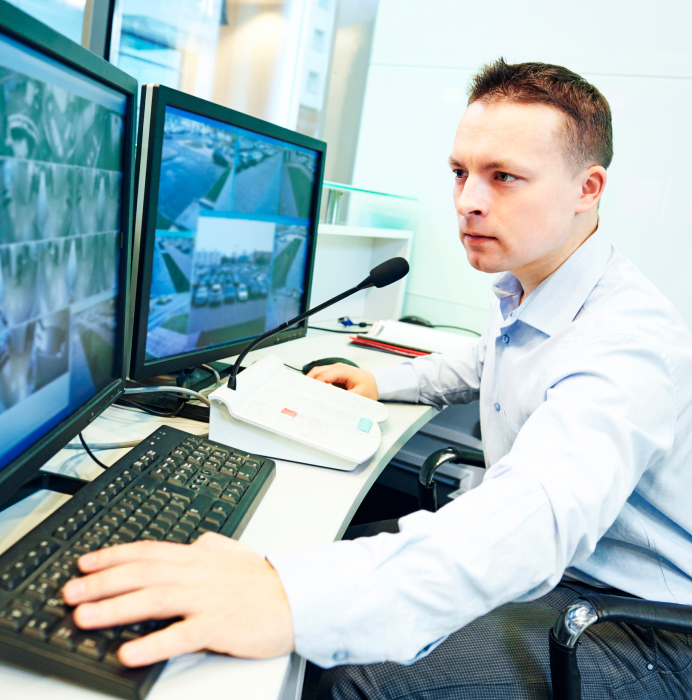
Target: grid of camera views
(231, 235)
(60, 192)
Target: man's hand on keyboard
(354, 379)
(229, 598)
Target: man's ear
(593, 182)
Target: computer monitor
(225, 230)
(66, 187)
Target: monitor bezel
(29, 32)
(159, 98)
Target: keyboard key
(40, 625)
(216, 485)
(123, 511)
(64, 635)
(230, 470)
(13, 619)
(91, 508)
(92, 645)
(29, 603)
(224, 508)
(111, 656)
(214, 517)
(134, 631)
(153, 532)
(56, 606)
(230, 498)
(190, 519)
(177, 536)
(140, 465)
(152, 455)
(246, 473)
(10, 579)
(46, 548)
(184, 526)
(208, 526)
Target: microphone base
(225, 428)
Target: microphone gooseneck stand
(386, 273)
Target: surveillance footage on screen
(225, 266)
(60, 202)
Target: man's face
(514, 192)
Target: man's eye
(459, 173)
(505, 177)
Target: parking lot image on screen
(230, 247)
(226, 299)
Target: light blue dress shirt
(585, 396)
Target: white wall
(637, 53)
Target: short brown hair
(588, 132)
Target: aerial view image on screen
(257, 176)
(196, 171)
(297, 182)
(60, 203)
(228, 293)
(288, 272)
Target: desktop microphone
(385, 273)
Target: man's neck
(532, 275)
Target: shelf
(364, 232)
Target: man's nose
(472, 199)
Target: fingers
(146, 550)
(331, 373)
(180, 638)
(154, 603)
(123, 579)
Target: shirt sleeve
(438, 379)
(609, 413)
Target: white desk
(304, 506)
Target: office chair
(577, 618)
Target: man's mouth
(477, 237)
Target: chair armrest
(595, 608)
(427, 493)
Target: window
(64, 16)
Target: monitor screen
(62, 141)
(232, 235)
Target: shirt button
(496, 406)
(505, 339)
(650, 667)
(340, 655)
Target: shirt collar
(557, 300)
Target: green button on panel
(365, 424)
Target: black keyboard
(172, 487)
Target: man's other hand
(359, 381)
(229, 598)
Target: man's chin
(485, 264)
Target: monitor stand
(45, 481)
(195, 378)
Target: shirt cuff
(322, 584)
(398, 383)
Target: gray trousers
(504, 656)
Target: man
(583, 378)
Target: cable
(295, 368)
(169, 389)
(151, 410)
(217, 384)
(91, 454)
(103, 445)
(459, 328)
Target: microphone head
(389, 271)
